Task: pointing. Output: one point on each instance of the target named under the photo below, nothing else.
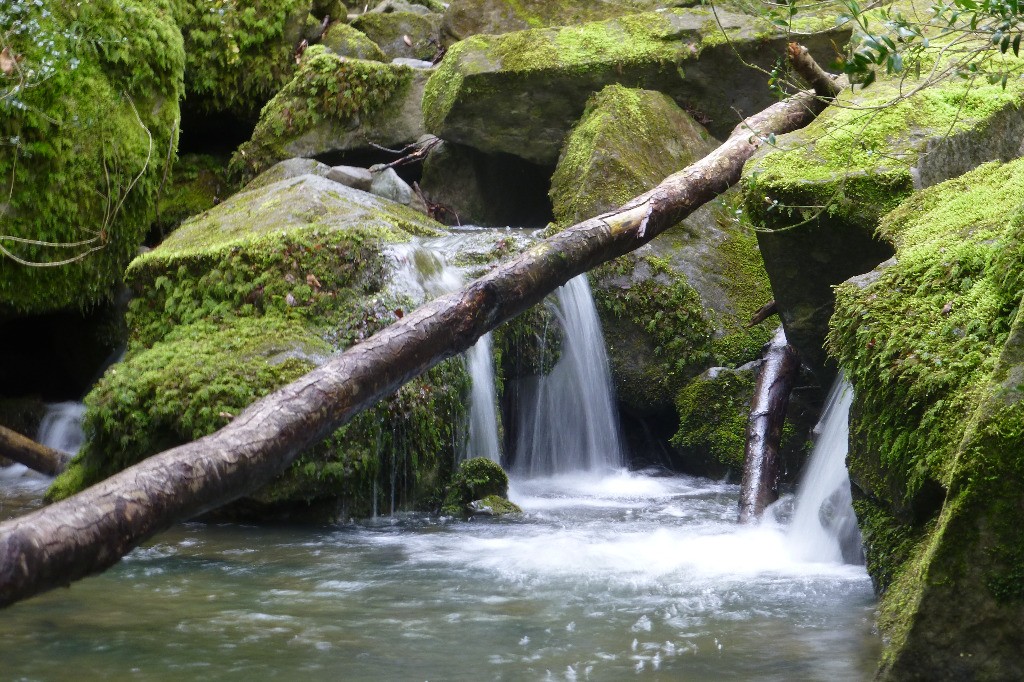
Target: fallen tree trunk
(35, 456)
(92, 530)
(760, 485)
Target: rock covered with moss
(239, 54)
(196, 183)
(250, 295)
(479, 486)
(405, 35)
(818, 194)
(86, 122)
(930, 343)
(346, 41)
(465, 18)
(335, 104)
(678, 305)
(520, 93)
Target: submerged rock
(817, 195)
(334, 105)
(84, 138)
(520, 93)
(932, 345)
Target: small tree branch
(825, 85)
(35, 456)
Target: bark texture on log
(760, 486)
(35, 456)
(91, 531)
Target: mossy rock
(626, 142)
(520, 93)
(677, 305)
(680, 305)
(346, 41)
(239, 54)
(926, 340)
(476, 479)
(84, 144)
(465, 18)
(713, 410)
(391, 30)
(334, 104)
(817, 194)
(250, 295)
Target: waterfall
(61, 427)
(426, 273)
(569, 422)
(483, 415)
(824, 526)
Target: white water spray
(572, 425)
(61, 427)
(824, 526)
(428, 274)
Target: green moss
(196, 184)
(603, 164)
(202, 375)
(919, 343)
(346, 41)
(83, 146)
(647, 38)
(713, 416)
(326, 87)
(475, 479)
(854, 161)
(239, 54)
(391, 30)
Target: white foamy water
(613, 577)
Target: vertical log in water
(760, 486)
(571, 424)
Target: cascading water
(570, 424)
(824, 525)
(428, 274)
(61, 427)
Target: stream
(629, 575)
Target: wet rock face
(520, 93)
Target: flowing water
(625, 576)
(568, 422)
(608, 575)
(824, 526)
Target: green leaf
(1016, 44)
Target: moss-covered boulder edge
(230, 308)
(84, 146)
(932, 344)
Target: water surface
(604, 578)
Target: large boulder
(520, 93)
(85, 133)
(817, 195)
(931, 341)
(333, 105)
(679, 304)
(248, 296)
(345, 41)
